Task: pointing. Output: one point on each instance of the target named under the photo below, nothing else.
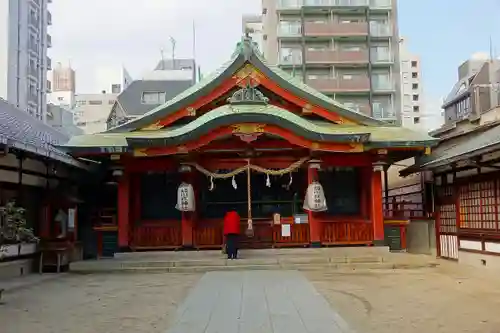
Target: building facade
(112, 79)
(412, 106)
(348, 52)
(167, 80)
(24, 41)
(62, 78)
(91, 111)
(174, 70)
(475, 92)
(62, 119)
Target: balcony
(383, 112)
(289, 29)
(336, 57)
(49, 18)
(33, 47)
(298, 4)
(360, 108)
(33, 72)
(293, 58)
(380, 56)
(49, 41)
(384, 5)
(337, 85)
(383, 85)
(332, 29)
(37, 2)
(34, 21)
(49, 64)
(382, 30)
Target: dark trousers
(232, 246)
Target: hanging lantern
(315, 200)
(185, 198)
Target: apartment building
(412, 107)
(24, 41)
(347, 49)
(476, 91)
(91, 111)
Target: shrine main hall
(300, 168)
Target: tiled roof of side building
(457, 149)
(131, 98)
(22, 131)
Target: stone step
(241, 265)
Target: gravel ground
(96, 303)
(447, 299)
(440, 300)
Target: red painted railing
(156, 237)
(208, 237)
(352, 232)
(299, 236)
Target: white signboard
(286, 231)
(71, 218)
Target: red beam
(329, 115)
(269, 129)
(202, 101)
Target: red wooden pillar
(377, 208)
(314, 223)
(187, 222)
(123, 211)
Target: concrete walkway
(256, 301)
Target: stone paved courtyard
(439, 300)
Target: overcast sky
(94, 33)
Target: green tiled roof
(323, 131)
(246, 52)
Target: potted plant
(15, 237)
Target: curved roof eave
(184, 99)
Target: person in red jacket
(232, 232)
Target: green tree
(14, 228)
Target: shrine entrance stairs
(270, 259)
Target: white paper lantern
(185, 198)
(315, 200)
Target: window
(116, 88)
(416, 108)
(413, 63)
(414, 86)
(60, 98)
(95, 102)
(80, 103)
(415, 97)
(153, 97)
(414, 75)
(416, 120)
